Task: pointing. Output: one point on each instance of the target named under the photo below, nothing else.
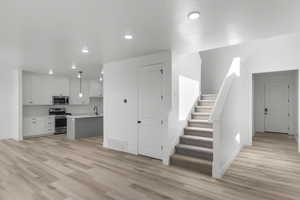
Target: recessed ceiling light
(100, 79)
(85, 50)
(194, 15)
(50, 72)
(74, 67)
(128, 37)
(102, 72)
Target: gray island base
(84, 126)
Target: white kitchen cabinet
(35, 89)
(95, 88)
(36, 126)
(41, 93)
(38, 89)
(60, 86)
(27, 89)
(74, 92)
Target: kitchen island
(83, 126)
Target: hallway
(271, 167)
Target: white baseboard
(166, 161)
(39, 135)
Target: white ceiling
(41, 34)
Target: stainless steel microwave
(60, 100)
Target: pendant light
(80, 84)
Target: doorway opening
(275, 103)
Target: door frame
(286, 81)
(251, 132)
(161, 65)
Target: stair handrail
(233, 72)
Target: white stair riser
(210, 97)
(206, 103)
(200, 125)
(205, 110)
(198, 133)
(201, 143)
(201, 117)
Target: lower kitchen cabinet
(36, 126)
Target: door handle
(266, 111)
(139, 122)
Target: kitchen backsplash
(30, 111)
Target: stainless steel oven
(60, 100)
(60, 119)
(60, 124)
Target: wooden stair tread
(200, 121)
(208, 95)
(207, 100)
(201, 113)
(197, 138)
(192, 159)
(204, 106)
(199, 129)
(195, 148)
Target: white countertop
(84, 116)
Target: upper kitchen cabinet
(60, 86)
(27, 89)
(95, 88)
(35, 90)
(74, 92)
(38, 89)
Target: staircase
(195, 149)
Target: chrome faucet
(95, 108)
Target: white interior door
(277, 106)
(150, 111)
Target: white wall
(275, 54)
(295, 104)
(120, 82)
(258, 104)
(296, 111)
(9, 103)
(186, 75)
(230, 129)
(259, 81)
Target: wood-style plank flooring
(55, 168)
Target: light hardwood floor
(55, 168)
